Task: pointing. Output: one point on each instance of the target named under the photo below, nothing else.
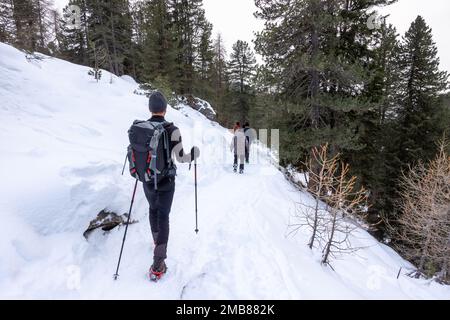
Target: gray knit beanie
(157, 102)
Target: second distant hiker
(238, 147)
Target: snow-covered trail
(62, 146)
(241, 251)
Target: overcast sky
(235, 20)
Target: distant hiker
(238, 147)
(153, 143)
(249, 137)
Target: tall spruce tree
(242, 66)
(241, 73)
(420, 118)
(420, 110)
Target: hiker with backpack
(250, 136)
(238, 145)
(152, 146)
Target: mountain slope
(63, 140)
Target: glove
(195, 153)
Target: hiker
(249, 137)
(157, 171)
(238, 147)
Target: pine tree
(241, 72)
(419, 119)
(419, 111)
(242, 66)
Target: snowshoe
(234, 169)
(241, 171)
(156, 274)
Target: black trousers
(160, 206)
(247, 154)
(241, 161)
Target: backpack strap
(167, 142)
(160, 131)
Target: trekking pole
(124, 164)
(196, 207)
(116, 275)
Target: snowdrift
(63, 140)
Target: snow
(129, 79)
(63, 141)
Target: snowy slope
(62, 143)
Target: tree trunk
(327, 249)
(41, 24)
(314, 89)
(424, 251)
(113, 37)
(86, 35)
(314, 86)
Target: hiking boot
(159, 267)
(158, 270)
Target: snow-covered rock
(63, 139)
(202, 106)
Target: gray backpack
(149, 153)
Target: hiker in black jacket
(248, 141)
(237, 146)
(161, 198)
